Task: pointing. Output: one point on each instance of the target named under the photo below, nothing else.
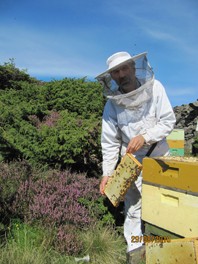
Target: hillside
(187, 119)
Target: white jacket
(146, 111)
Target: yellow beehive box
(175, 252)
(174, 211)
(124, 175)
(176, 143)
(174, 172)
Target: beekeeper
(136, 115)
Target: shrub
(56, 203)
(11, 177)
(56, 124)
(61, 201)
(67, 240)
(56, 198)
(10, 76)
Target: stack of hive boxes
(176, 142)
(170, 194)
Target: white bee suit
(145, 111)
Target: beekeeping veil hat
(143, 72)
(118, 59)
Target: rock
(187, 119)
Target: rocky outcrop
(187, 119)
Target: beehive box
(176, 141)
(177, 144)
(171, 210)
(177, 152)
(125, 174)
(175, 252)
(170, 194)
(174, 172)
(176, 134)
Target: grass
(104, 245)
(14, 254)
(30, 245)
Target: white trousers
(133, 202)
(133, 223)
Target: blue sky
(59, 38)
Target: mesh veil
(145, 76)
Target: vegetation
(50, 164)
(64, 207)
(27, 244)
(56, 124)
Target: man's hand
(103, 183)
(135, 144)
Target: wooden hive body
(174, 172)
(174, 252)
(170, 194)
(174, 211)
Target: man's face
(124, 76)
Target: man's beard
(127, 85)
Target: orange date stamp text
(149, 238)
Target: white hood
(145, 78)
(136, 98)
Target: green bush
(10, 76)
(56, 123)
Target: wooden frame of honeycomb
(125, 174)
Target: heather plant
(11, 177)
(56, 203)
(14, 177)
(68, 240)
(56, 199)
(62, 201)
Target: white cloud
(160, 35)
